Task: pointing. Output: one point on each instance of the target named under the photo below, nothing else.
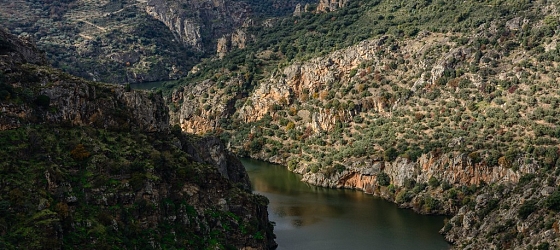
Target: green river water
(309, 217)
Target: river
(309, 217)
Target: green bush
(553, 201)
(383, 179)
(404, 196)
(433, 182)
(43, 101)
(409, 183)
(314, 168)
(527, 208)
(390, 154)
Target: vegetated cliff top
(442, 106)
(96, 166)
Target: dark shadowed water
(309, 217)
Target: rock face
(454, 169)
(505, 216)
(198, 118)
(99, 105)
(16, 51)
(198, 29)
(103, 169)
(212, 151)
(302, 80)
(331, 5)
(103, 106)
(237, 39)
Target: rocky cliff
(95, 166)
(331, 5)
(201, 29)
(510, 216)
(434, 121)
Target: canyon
(442, 123)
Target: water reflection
(309, 217)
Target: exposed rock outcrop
(455, 169)
(237, 39)
(199, 118)
(14, 50)
(198, 29)
(331, 5)
(74, 101)
(212, 151)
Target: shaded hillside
(128, 41)
(96, 166)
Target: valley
(443, 107)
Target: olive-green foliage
(404, 196)
(527, 208)
(383, 179)
(430, 204)
(553, 201)
(433, 182)
(488, 119)
(49, 201)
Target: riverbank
(311, 217)
(491, 206)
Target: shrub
(383, 179)
(543, 246)
(433, 182)
(404, 196)
(391, 188)
(314, 168)
(409, 183)
(43, 101)
(390, 154)
(527, 208)
(525, 179)
(553, 201)
(419, 188)
(292, 164)
(446, 185)
(431, 204)
(339, 168)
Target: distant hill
(127, 41)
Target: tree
(383, 179)
(390, 154)
(43, 101)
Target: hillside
(129, 41)
(444, 107)
(96, 166)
